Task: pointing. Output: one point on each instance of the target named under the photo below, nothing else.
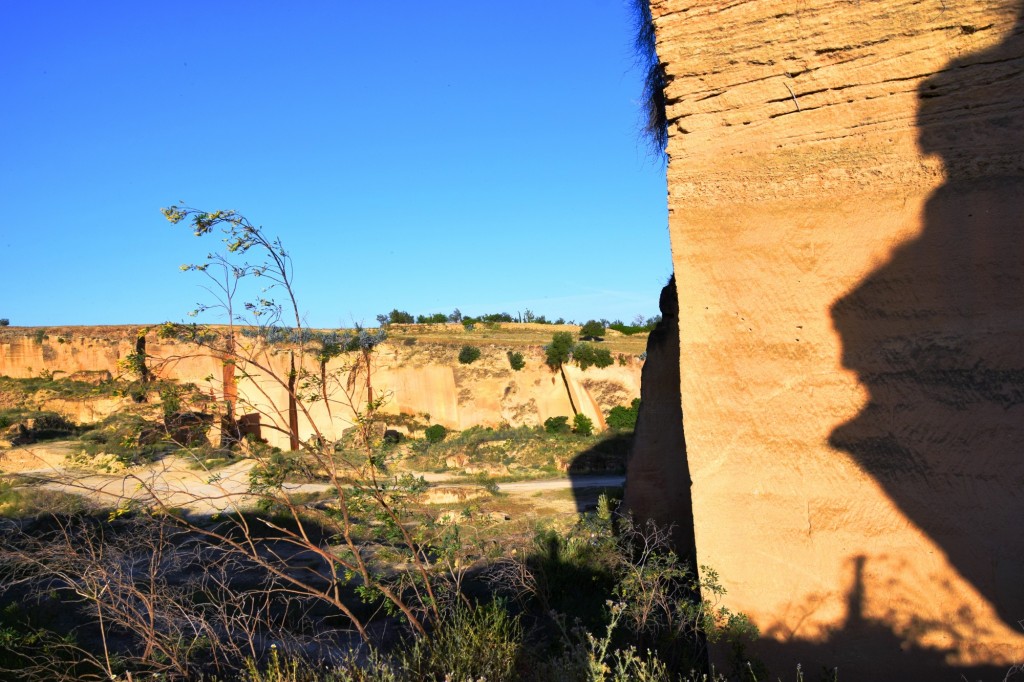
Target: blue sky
(428, 156)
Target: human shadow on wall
(936, 334)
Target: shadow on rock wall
(598, 469)
(865, 643)
(936, 335)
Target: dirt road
(180, 482)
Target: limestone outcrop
(419, 379)
(846, 209)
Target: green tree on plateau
(592, 331)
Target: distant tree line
(638, 325)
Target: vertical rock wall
(846, 192)
(659, 479)
(418, 380)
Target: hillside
(416, 371)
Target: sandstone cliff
(418, 379)
(846, 192)
(659, 478)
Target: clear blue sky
(426, 156)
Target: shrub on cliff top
(515, 360)
(397, 316)
(469, 354)
(586, 354)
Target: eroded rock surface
(418, 380)
(846, 192)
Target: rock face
(422, 379)
(659, 478)
(846, 192)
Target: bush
(130, 438)
(556, 425)
(436, 318)
(397, 316)
(558, 351)
(469, 643)
(4, 322)
(582, 426)
(592, 331)
(586, 354)
(469, 354)
(622, 418)
(515, 360)
(435, 433)
(637, 327)
(21, 501)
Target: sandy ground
(178, 483)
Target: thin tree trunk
(293, 410)
(561, 369)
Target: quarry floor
(178, 483)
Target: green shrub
(586, 354)
(4, 322)
(397, 316)
(592, 331)
(582, 426)
(556, 424)
(24, 501)
(516, 360)
(630, 329)
(130, 438)
(469, 354)
(622, 418)
(435, 433)
(470, 643)
(557, 352)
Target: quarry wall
(419, 379)
(846, 192)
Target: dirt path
(576, 483)
(179, 482)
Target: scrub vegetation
(370, 575)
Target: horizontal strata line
(736, 84)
